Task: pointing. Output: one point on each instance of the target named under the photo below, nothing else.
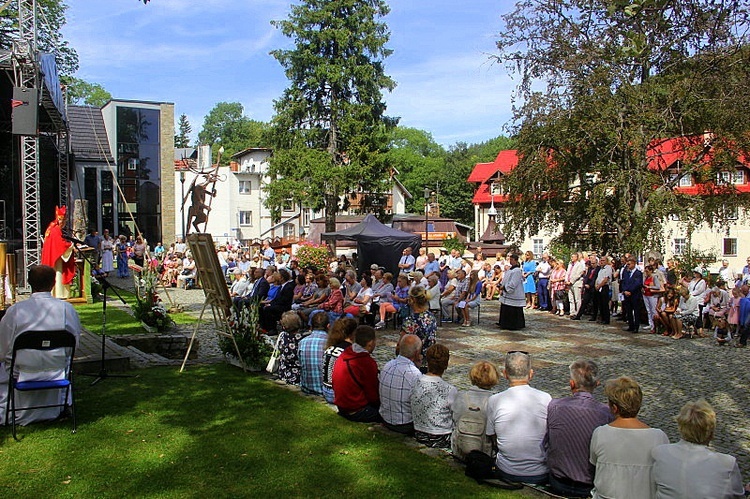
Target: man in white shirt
(517, 423)
(601, 287)
(727, 274)
(40, 312)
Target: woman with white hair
(689, 469)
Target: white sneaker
(380, 325)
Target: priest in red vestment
(58, 254)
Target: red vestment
(53, 249)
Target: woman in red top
(334, 305)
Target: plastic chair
(47, 342)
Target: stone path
(670, 372)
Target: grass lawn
(215, 431)
(119, 321)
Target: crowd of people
(577, 446)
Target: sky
(197, 53)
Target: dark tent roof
(377, 243)
(371, 229)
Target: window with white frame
(723, 178)
(246, 186)
(738, 177)
(538, 247)
(289, 230)
(732, 213)
(132, 163)
(680, 245)
(685, 180)
(288, 205)
(246, 218)
(730, 246)
(306, 217)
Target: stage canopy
(377, 243)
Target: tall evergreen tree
(330, 127)
(182, 139)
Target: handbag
(273, 362)
(560, 294)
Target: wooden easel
(214, 288)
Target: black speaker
(25, 104)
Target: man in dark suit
(631, 286)
(271, 313)
(589, 293)
(260, 290)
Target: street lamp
(426, 219)
(182, 208)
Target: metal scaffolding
(26, 75)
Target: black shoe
(628, 329)
(593, 319)
(603, 322)
(575, 318)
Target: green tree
(419, 161)
(182, 139)
(621, 76)
(330, 131)
(83, 92)
(227, 125)
(49, 36)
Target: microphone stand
(99, 276)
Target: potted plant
(149, 309)
(254, 348)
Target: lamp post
(182, 208)
(426, 219)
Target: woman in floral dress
(421, 321)
(291, 335)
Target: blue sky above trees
(197, 54)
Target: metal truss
(63, 165)
(31, 226)
(27, 77)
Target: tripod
(103, 373)
(99, 276)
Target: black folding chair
(47, 342)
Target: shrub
(312, 254)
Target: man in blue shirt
(311, 350)
(268, 255)
(406, 264)
(432, 267)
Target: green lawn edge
(215, 431)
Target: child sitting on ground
(721, 332)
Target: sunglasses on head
(518, 351)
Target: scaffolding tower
(26, 75)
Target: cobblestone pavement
(670, 372)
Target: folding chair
(55, 363)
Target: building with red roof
(666, 158)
